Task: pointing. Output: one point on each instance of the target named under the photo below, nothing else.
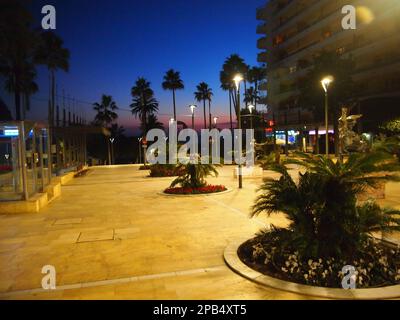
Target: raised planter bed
(209, 189)
(232, 259)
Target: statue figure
(350, 141)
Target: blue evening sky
(112, 43)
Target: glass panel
(46, 174)
(10, 170)
(31, 160)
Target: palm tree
(233, 65)
(17, 46)
(153, 123)
(325, 217)
(255, 76)
(105, 111)
(173, 81)
(105, 116)
(251, 97)
(52, 54)
(144, 104)
(204, 93)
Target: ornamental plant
(193, 173)
(325, 218)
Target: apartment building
(293, 31)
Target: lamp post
(325, 85)
(251, 107)
(192, 107)
(112, 150)
(140, 149)
(215, 119)
(237, 79)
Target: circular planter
(196, 194)
(233, 261)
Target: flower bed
(164, 170)
(375, 265)
(199, 190)
(5, 168)
(144, 167)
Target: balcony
(262, 28)
(262, 13)
(262, 43)
(262, 57)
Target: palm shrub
(193, 174)
(325, 218)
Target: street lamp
(237, 79)
(251, 107)
(215, 121)
(325, 85)
(140, 149)
(192, 107)
(112, 150)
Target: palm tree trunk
(53, 97)
(204, 110)
(209, 113)
(255, 94)
(245, 90)
(173, 98)
(230, 110)
(17, 97)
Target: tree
(5, 113)
(52, 54)
(144, 104)
(325, 217)
(17, 47)
(255, 75)
(173, 82)
(251, 97)
(153, 123)
(105, 116)
(340, 90)
(105, 111)
(232, 66)
(204, 93)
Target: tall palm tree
(153, 123)
(17, 46)
(144, 104)
(251, 97)
(255, 76)
(105, 111)
(52, 54)
(203, 93)
(173, 82)
(105, 116)
(233, 65)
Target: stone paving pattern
(114, 226)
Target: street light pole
(237, 80)
(325, 85)
(192, 107)
(251, 107)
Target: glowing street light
(251, 107)
(192, 107)
(215, 119)
(237, 79)
(325, 82)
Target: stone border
(233, 261)
(195, 195)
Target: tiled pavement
(111, 237)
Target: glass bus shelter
(25, 168)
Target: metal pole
(22, 151)
(193, 120)
(326, 126)
(240, 138)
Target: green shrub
(325, 219)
